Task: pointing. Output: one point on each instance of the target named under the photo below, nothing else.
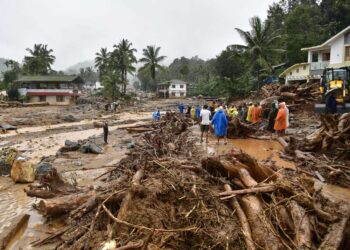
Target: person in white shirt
(205, 122)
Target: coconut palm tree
(151, 60)
(39, 61)
(101, 60)
(259, 43)
(123, 58)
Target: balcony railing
(319, 65)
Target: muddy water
(121, 117)
(259, 149)
(14, 202)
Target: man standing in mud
(105, 132)
(205, 122)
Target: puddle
(259, 149)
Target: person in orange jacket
(281, 120)
(256, 112)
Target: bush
(13, 93)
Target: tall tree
(259, 43)
(123, 58)
(151, 60)
(39, 61)
(101, 60)
(108, 72)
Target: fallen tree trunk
(302, 226)
(63, 204)
(247, 233)
(335, 236)
(262, 231)
(262, 189)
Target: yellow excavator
(337, 82)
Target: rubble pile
(163, 196)
(326, 150)
(292, 94)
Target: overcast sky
(77, 29)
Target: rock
(69, 118)
(90, 147)
(12, 154)
(8, 127)
(22, 171)
(5, 168)
(43, 168)
(171, 146)
(72, 145)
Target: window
(181, 86)
(297, 70)
(172, 93)
(304, 67)
(314, 57)
(326, 56)
(290, 73)
(42, 98)
(347, 38)
(182, 93)
(347, 53)
(173, 86)
(59, 98)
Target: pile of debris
(332, 137)
(326, 151)
(292, 94)
(162, 196)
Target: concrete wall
(52, 100)
(337, 51)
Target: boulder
(43, 168)
(90, 147)
(8, 127)
(22, 171)
(5, 168)
(12, 154)
(71, 145)
(69, 118)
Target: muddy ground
(42, 131)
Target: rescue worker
(204, 122)
(220, 123)
(198, 112)
(331, 104)
(287, 113)
(281, 120)
(181, 108)
(156, 115)
(272, 116)
(105, 132)
(193, 113)
(256, 112)
(249, 113)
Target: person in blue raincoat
(198, 112)
(181, 108)
(156, 115)
(220, 123)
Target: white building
(333, 53)
(172, 89)
(54, 89)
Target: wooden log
(243, 220)
(124, 207)
(282, 141)
(9, 232)
(302, 226)
(262, 230)
(262, 189)
(63, 204)
(288, 95)
(335, 235)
